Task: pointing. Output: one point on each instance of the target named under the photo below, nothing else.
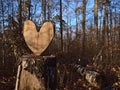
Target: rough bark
(37, 73)
(96, 18)
(83, 61)
(61, 28)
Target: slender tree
(20, 15)
(44, 4)
(96, 18)
(77, 12)
(29, 9)
(61, 25)
(84, 61)
(67, 34)
(3, 49)
(48, 10)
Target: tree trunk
(20, 15)
(3, 49)
(111, 34)
(105, 32)
(48, 7)
(29, 9)
(96, 18)
(44, 9)
(101, 14)
(68, 39)
(104, 25)
(61, 28)
(83, 61)
(76, 25)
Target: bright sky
(71, 10)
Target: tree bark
(44, 9)
(37, 73)
(96, 18)
(61, 27)
(84, 61)
(20, 15)
(3, 38)
(29, 9)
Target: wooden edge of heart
(30, 27)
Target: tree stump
(37, 73)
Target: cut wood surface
(38, 41)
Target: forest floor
(71, 80)
(7, 83)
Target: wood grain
(38, 41)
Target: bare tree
(20, 15)
(96, 18)
(77, 12)
(29, 9)
(3, 49)
(44, 9)
(84, 61)
(61, 27)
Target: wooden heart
(38, 41)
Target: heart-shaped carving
(38, 41)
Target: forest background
(87, 32)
